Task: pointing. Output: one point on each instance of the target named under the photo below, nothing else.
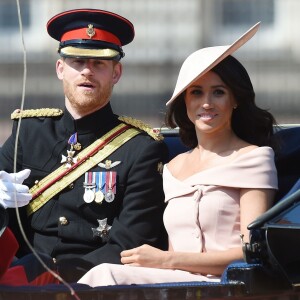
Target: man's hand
(12, 192)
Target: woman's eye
(219, 92)
(196, 92)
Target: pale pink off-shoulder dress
(203, 214)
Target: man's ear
(59, 68)
(117, 72)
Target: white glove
(12, 192)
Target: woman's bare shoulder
(177, 161)
(246, 148)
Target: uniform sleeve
(7, 164)
(141, 218)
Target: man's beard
(88, 101)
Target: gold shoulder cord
(36, 113)
(155, 134)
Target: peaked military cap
(91, 33)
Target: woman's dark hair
(249, 122)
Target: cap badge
(90, 31)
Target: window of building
(247, 12)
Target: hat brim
(74, 52)
(203, 60)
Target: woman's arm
(213, 262)
(252, 204)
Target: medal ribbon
(73, 139)
(94, 180)
(100, 180)
(55, 182)
(111, 178)
(89, 181)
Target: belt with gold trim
(55, 182)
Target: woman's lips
(207, 116)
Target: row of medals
(90, 195)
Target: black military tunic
(62, 228)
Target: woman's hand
(144, 256)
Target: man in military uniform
(95, 177)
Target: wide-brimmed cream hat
(203, 60)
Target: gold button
(63, 221)
(71, 186)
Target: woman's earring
(235, 107)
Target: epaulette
(31, 113)
(154, 133)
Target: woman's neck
(217, 142)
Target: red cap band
(98, 34)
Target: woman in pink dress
(214, 190)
